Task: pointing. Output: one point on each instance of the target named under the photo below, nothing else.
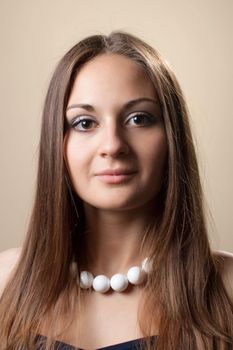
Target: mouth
(115, 179)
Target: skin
(117, 214)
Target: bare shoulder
(226, 270)
(8, 260)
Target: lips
(116, 172)
(115, 176)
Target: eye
(142, 119)
(82, 124)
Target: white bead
(146, 265)
(86, 279)
(136, 275)
(101, 283)
(119, 282)
(73, 269)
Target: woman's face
(116, 126)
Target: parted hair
(185, 281)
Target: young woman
(117, 251)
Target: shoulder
(226, 270)
(8, 260)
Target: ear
(64, 150)
(66, 166)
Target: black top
(128, 345)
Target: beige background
(194, 35)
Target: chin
(114, 205)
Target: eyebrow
(129, 104)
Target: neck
(113, 239)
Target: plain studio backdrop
(195, 36)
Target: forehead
(112, 77)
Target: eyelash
(73, 124)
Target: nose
(113, 142)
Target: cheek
(75, 157)
(155, 153)
(155, 164)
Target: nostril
(113, 149)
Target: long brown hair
(185, 280)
